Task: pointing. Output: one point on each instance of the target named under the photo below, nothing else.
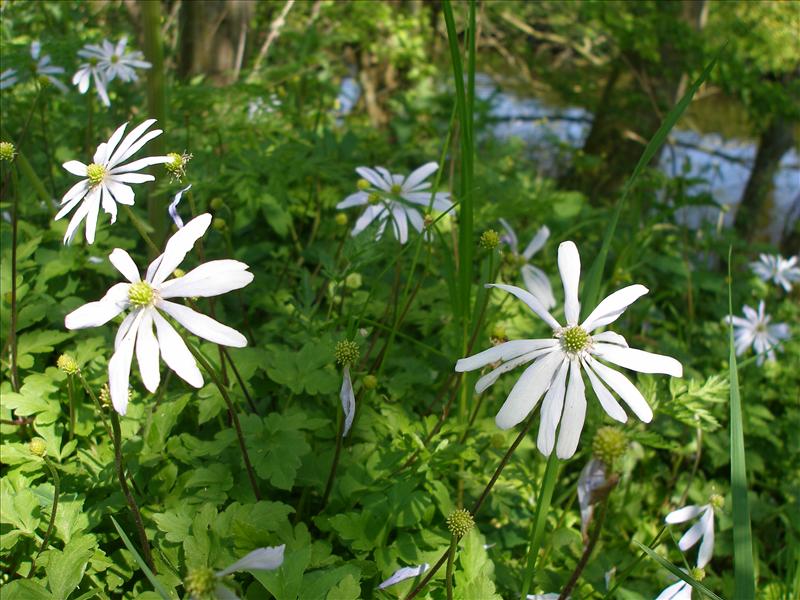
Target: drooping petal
(574, 414)
(489, 379)
(260, 559)
(124, 264)
(403, 574)
(122, 331)
(76, 191)
(569, 265)
(203, 326)
(692, 536)
(179, 245)
(606, 398)
(538, 284)
(419, 175)
(533, 303)
(147, 352)
(593, 477)
(552, 407)
(613, 306)
(626, 390)
(209, 279)
(638, 360)
(175, 353)
(348, 399)
(502, 352)
(119, 368)
(687, 513)
(72, 202)
(108, 204)
(101, 312)
(529, 388)
(372, 212)
(706, 550)
(537, 242)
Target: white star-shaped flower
(87, 72)
(558, 363)
(114, 61)
(535, 279)
(43, 68)
(702, 529)
(755, 330)
(147, 298)
(779, 270)
(395, 198)
(107, 178)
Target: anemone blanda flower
(396, 198)
(114, 60)
(42, 67)
(88, 72)
(779, 270)
(205, 583)
(107, 178)
(535, 279)
(702, 529)
(755, 330)
(558, 363)
(8, 78)
(147, 298)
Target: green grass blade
(591, 290)
(744, 573)
(159, 587)
(678, 573)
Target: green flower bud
(460, 522)
(179, 273)
(7, 151)
(396, 188)
(216, 203)
(68, 364)
(347, 352)
(370, 382)
(362, 184)
(490, 239)
(609, 444)
(374, 198)
(219, 224)
(38, 447)
(201, 584)
(341, 219)
(353, 281)
(428, 220)
(498, 441)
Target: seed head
(574, 339)
(717, 501)
(489, 239)
(346, 352)
(341, 219)
(141, 294)
(7, 151)
(362, 184)
(38, 447)
(201, 584)
(460, 522)
(177, 164)
(95, 173)
(105, 396)
(370, 382)
(698, 573)
(609, 444)
(68, 364)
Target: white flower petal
(419, 175)
(124, 264)
(348, 399)
(533, 303)
(692, 536)
(113, 141)
(372, 212)
(400, 224)
(638, 360)
(373, 177)
(260, 559)
(119, 368)
(677, 591)
(175, 353)
(706, 550)
(606, 398)
(552, 407)
(510, 237)
(179, 245)
(626, 390)
(569, 265)
(489, 379)
(209, 279)
(539, 285)
(93, 208)
(108, 204)
(438, 201)
(503, 352)
(76, 191)
(610, 337)
(147, 352)
(140, 164)
(132, 177)
(613, 306)
(75, 167)
(101, 312)
(687, 513)
(100, 154)
(403, 574)
(529, 388)
(537, 242)
(356, 199)
(574, 414)
(122, 193)
(68, 207)
(122, 150)
(203, 326)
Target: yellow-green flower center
(141, 294)
(373, 198)
(7, 151)
(574, 339)
(93, 61)
(396, 188)
(201, 583)
(717, 501)
(95, 173)
(114, 58)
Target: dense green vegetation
(271, 450)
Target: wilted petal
(403, 574)
(261, 559)
(348, 399)
(593, 477)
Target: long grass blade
(678, 573)
(744, 573)
(157, 585)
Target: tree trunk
(753, 214)
(213, 34)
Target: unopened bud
(609, 444)
(68, 364)
(698, 574)
(353, 281)
(216, 203)
(362, 184)
(7, 151)
(341, 219)
(38, 447)
(219, 224)
(201, 584)
(370, 382)
(717, 501)
(489, 239)
(460, 522)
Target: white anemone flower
(702, 529)
(107, 178)
(535, 279)
(755, 330)
(558, 363)
(205, 583)
(403, 574)
(781, 271)
(88, 72)
(8, 78)
(677, 591)
(147, 298)
(42, 67)
(114, 61)
(395, 198)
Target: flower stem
(587, 551)
(335, 463)
(141, 228)
(100, 410)
(123, 483)
(12, 334)
(537, 526)
(231, 410)
(71, 393)
(51, 525)
(478, 503)
(451, 554)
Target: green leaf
(678, 573)
(347, 589)
(38, 342)
(276, 446)
(25, 589)
(65, 568)
(162, 591)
